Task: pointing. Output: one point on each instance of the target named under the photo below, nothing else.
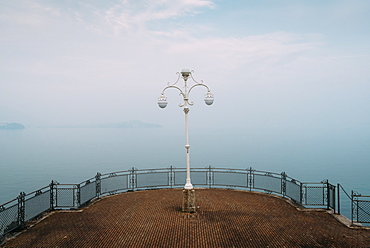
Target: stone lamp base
(188, 201)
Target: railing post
(352, 207)
(98, 184)
(21, 208)
(333, 201)
(78, 194)
(210, 177)
(133, 178)
(52, 195)
(283, 183)
(338, 198)
(330, 192)
(170, 177)
(328, 195)
(250, 181)
(301, 193)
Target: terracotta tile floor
(225, 218)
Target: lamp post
(188, 192)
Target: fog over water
(35, 156)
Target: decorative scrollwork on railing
(283, 183)
(354, 210)
(304, 193)
(326, 195)
(250, 177)
(38, 192)
(355, 194)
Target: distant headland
(126, 124)
(11, 126)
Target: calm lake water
(31, 158)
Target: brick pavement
(225, 218)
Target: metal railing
(15, 213)
(319, 194)
(360, 208)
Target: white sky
(301, 64)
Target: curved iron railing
(16, 212)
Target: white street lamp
(189, 195)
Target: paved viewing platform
(224, 218)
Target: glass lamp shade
(209, 99)
(162, 103)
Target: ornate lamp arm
(162, 101)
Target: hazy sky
(303, 64)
